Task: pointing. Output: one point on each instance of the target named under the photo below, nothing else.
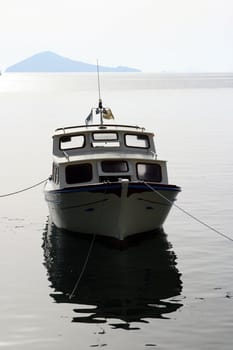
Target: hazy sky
(152, 35)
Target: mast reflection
(130, 285)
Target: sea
(171, 290)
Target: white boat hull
(115, 210)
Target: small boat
(106, 179)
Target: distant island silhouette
(48, 61)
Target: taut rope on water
(72, 294)
(24, 189)
(188, 214)
(83, 268)
(152, 189)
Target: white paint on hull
(114, 215)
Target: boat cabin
(99, 153)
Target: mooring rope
(71, 295)
(190, 215)
(83, 268)
(24, 189)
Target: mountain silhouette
(48, 61)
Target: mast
(100, 106)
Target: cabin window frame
(149, 179)
(115, 171)
(71, 148)
(105, 143)
(105, 133)
(71, 180)
(55, 174)
(146, 137)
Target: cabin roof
(69, 159)
(98, 127)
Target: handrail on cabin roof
(101, 127)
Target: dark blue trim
(117, 186)
(155, 187)
(88, 189)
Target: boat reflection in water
(130, 284)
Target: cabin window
(114, 166)
(149, 172)
(137, 140)
(105, 136)
(70, 142)
(78, 173)
(105, 139)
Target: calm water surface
(173, 290)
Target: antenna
(98, 74)
(100, 100)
